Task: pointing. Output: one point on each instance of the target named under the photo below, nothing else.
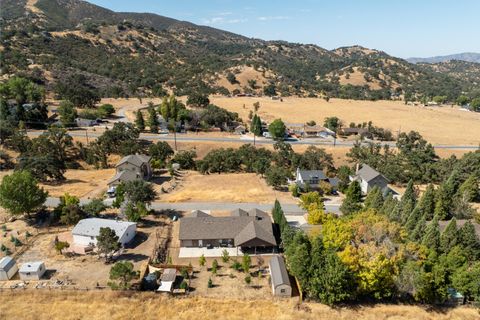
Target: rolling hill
(125, 54)
(466, 56)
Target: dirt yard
(238, 187)
(48, 305)
(88, 270)
(439, 125)
(229, 283)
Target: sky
(403, 28)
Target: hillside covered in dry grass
(125, 54)
(110, 305)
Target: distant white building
(8, 268)
(86, 231)
(32, 270)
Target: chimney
(357, 168)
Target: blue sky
(403, 28)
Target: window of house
(282, 290)
(92, 238)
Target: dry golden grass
(439, 125)
(110, 305)
(79, 183)
(245, 74)
(239, 187)
(357, 78)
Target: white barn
(32, 270)
(86, 231)
(8, 268)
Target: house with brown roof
(250, 230)
(354, 132)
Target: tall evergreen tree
(470, 188)
(139, 121)
(152, 120)
(419, 230)
(389, 206)
(431, 239)
(469, 240)
(353, 197)
(442, 203)
(374, 199)
(449, 236)
(427, 202)
(413, 219)
(256, 126)
(331, 280)
(298, 253)
(408, 202)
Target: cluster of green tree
(103, 111)
(373, 131)
(70, 212)
(276, 166)
(365, 256)
(45, 157)
(77, 90)
(177, 115)
(21, 103)
(133, 197)
(414, 159)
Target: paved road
(288, 208)
(260, 141)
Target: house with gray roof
(279, 277)
(370, 178)
(131, 168)
(460, 223)
(8, 268)
(251, 230)
(86, 231)
(313, 178)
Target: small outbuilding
(279, 277)
(167, 279)
(8, 268)
(32, 270)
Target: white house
(370, 178)
(8, 268)
(279, 277)
(86, 231)
(312, 178)
(32, 270)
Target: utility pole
(86, 134)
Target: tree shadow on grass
(135, 257)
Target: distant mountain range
(125, 54)
(466, 56)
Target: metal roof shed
(8, 268)
(279, 277)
